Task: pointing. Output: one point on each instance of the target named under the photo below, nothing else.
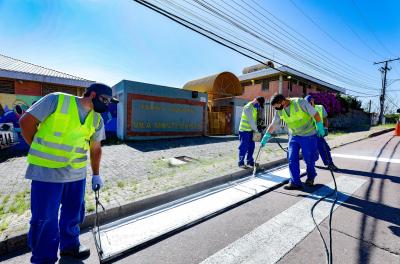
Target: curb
(375, 134)
(380, 132)
(19, 241)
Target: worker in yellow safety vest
(60, 129)
(247, 128)
(299, 117)
(323, 147)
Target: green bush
(349, 102)
(391, 118)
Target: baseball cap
(102, 89)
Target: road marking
(132, 231)
(271, 241)
(346, 156)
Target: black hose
(96, 222)
(328, 252)
(330, 218)
(284, 149)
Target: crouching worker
(323, 147)
(60, 129)
(246, 129)
(299, 116)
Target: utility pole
(383, 93)
(369, 107)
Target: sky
(108, 41)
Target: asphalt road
(365, 226)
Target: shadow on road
(385, 212)
(395, 230)
(371, 175)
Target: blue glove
(97, 182)
(265, 139)
(320, 129)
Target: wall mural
(110, 121)
(13, 106)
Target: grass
(3, 226)
(385, 126)
(6, 199)
(3, 205)
(90, 207)
(134, 184)
(20, 203)
(120, 184)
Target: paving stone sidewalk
(137, 170)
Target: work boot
(333, 167)
(252, 164)
(80, 252)
(310, 182)
(242, 166)
(291, 186)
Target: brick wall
(28, 88)
(251, 91)
(254, 90)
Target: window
(290, 86)
(7, 87)
(51, 88)
(265, 85)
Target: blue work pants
(308, 146)
(46, 232)
(246, 147)
(324, 151)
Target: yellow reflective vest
(320, 110)
(299, 122)
(244, 121)
(61, 139)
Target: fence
(269, 113)
(220, 120)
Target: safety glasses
(105, 99)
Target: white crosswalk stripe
(347, 156)
(274, 239)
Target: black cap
(102, 89)
(261, 100)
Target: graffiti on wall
(13, 106)
(110, 121)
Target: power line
(307, 43)
(293, 38)
(285, 66)
(211, 35)
(370, 28)
(355, 33)
(235, 22)
(326, 33)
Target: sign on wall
(163, 116)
